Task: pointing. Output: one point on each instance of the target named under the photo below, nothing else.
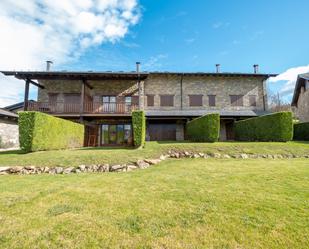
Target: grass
(152, 149)
(189, 203)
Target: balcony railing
(89, 108)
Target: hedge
(204, 129)
(272, 127)
(40, 131)
(301, 131)
(139, 128)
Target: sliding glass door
(116, 134)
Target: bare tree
(277, 103)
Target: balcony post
(82, 97)
(26, 96)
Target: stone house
(103, 101)
(300, 100)
(8, 129)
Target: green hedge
(39, 131)
(204, 129)
(139, 128)
(301, 131)
(272, 127)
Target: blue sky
(182, 35)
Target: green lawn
(153, 149)
(189, 203)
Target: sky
(173, 35)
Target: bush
(39, 131)
(301, 131)
(272, 127)
(139, 128)
(204, 129)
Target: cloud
(289, 78)
(218, 25)
(190, 40)
(154, 62)
(33, 31)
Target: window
(252, 100)
(196, 100)
(237, 100)
(167, 100)
(109, 99)
(109, 103)
(212, 100)
(150, 100)
(128, 100)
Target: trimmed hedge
(204, 129)
(139, 128)
(272, 127)
(301, 131)
(40, 131)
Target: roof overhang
(63, 75)
(301, 80)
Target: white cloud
(33, 31)
(289, 77)
(154, 62)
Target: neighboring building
(300, 100)
(8, 129)
(104, 100)
(16, 107)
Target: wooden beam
(87, 84)
(82, 97)
(35, 84)
(26, 96)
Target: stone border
(139, 164)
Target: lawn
(152, 149)
(188, 203)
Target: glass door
(120, 134)
(112, 134)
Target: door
(230, 130)
(162, 132)
(116, 134)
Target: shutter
(150, 100)
(196, 100)
(212, 100)
(167, 100)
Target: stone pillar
(141, 94)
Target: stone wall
(302, 110)
(9, 134)
(222, 87)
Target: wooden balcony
(89, 108)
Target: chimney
(48, 65)
(256, 68)
(217, 68)
(138, 67)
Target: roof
(92, 75)
(5, 113)
(301, 79)
(16, 106)
(196, 113)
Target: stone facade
(222, 87)
(302, 109)
(170, 84)
(9, 133)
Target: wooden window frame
(195, 100)
(150, 97)
(252, 100)
(237, 100)
(167, 103)
(210, 96)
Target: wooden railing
(90, 108)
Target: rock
(164, 157)
(46, 169)
(226, 156)
(196, 156)
(58, 170)
(4, 169)
(69, 170)
(152, 161)
(29, 167)
(82, 168)
(77, 171)
(205, 156)
(216, 155)
(131, 167)
(15, 170)
(270, 157)
(142, 164)
(201, 154)
(116, 167)
(244, 156)
(4, 173)
(95, 168)
(187, 154)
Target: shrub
(204, 129)
(39, 131)
(272, 127)
(139, 128)
(301, 131)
